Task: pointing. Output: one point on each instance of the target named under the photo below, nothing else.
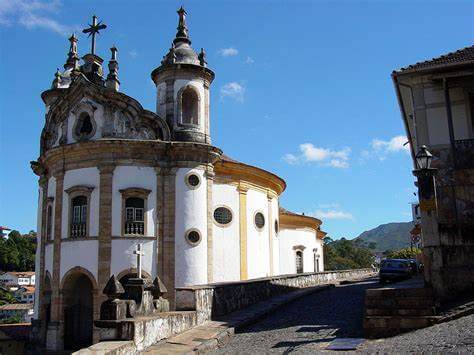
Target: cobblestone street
(311, 323)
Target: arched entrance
(78, 311)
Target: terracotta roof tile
(461, 56)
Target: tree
(17, 252)
(346, 254)
(406, 253)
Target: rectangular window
(139, 214)
(129, 214)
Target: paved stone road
(310, 323)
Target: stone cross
(139, 254)
(94, 29)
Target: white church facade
(113, 175)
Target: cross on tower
(94, 29)
(139, 254)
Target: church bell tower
(182, 82)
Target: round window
(276, 226)
(193, 180)
(193, 237)
(223, 215)
(259, 220)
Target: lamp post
(425, 175)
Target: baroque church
(126, 191)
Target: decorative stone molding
(299, 247)
(79, 112)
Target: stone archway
(78, 309)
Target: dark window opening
(299, 262)
(222, 215)
(190, 105)
(259, 220)
(79, 217)
(134, 216)
(84, 126)
(49, 222)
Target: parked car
(394, 269)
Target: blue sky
(302, 89)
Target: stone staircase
(391, 311)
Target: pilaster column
(243, 230)
(210, 182)
(54, 336)
(159, 215)
(105, 224)
(55, 282)
(168, 239)
(43, 184)
(270, 231)
(170, 104)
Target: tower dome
(182, 81)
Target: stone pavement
(309, 324)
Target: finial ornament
(72, 57)
(112, 81)
(57, 79)
(182, 34)
(94, 29)
(202, 58)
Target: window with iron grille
(79, 217)
(49, 222)
(299, 262)
(259, 220)
(134, 216)
(223, 215)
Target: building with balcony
(436, 99)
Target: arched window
(299, 261)
(134, 216)
(189, 107)
(79, 217)
(84, 128)
(316, 259)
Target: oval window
(193, 237)
(193, 180)
(276, 226)
(223, 215)
(259, 220)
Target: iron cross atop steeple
(94, 29)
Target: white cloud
(323, 156)
(380, 149)
(228, 52)
(133, 53)
(395, 144)
(332, 214)
(233, 90)
(249, 60)
(32, 14)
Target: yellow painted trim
(243, 232)
(270, 232)
(300, 221)
(253, 176)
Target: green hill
(389, 236)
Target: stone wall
(214, 300)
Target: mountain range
(389, 236)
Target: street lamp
(423, 158)
(426, 184)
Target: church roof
(460, 57)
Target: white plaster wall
(161, 100)
(198, 84)
(258, 246)
(82, 253)
(191, 212)
(48, 258)
(98, 118)
(89, 177)
(124, 259)
(438, 130)
(226, 240)
(295, 237)
(38, 248)
(275, 238)
(52, 193)
(133, 176)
